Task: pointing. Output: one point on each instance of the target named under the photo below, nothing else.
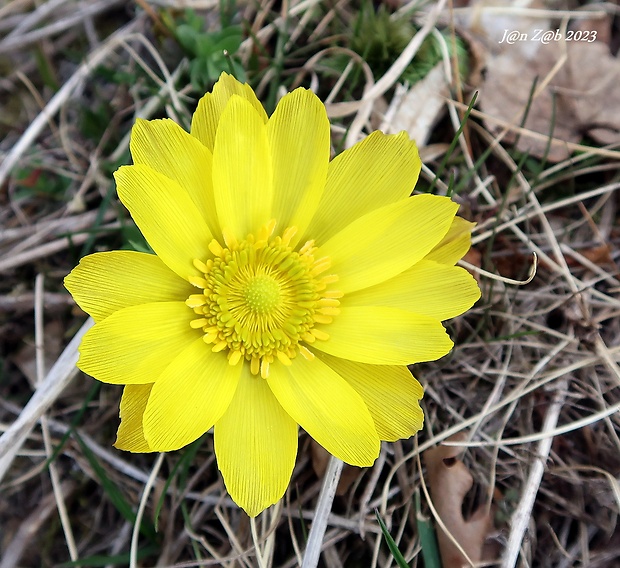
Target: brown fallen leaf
(320, 457)
(581, 98)
(450, 481)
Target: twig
(47, 439)
(522, 514)
(61, 97)
(54, 383)
(85, 9)
(323, 507)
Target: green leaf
(396, 553)
(426, 533)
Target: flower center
(260, 299)
(262, 294)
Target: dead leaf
(505, 93)
(474, 257)
(601, 26)
(420, 108)
(581, 98)
(450, 481)
(489, 20)
(320, 457)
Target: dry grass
(534, 382)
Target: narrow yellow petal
(455, 243)
(377, 171)
(255, 445)
(166, 148)
(387, 241)
(242, 173)
(166, 216)
(135, 344)
(298, 133)
(189, 397)
(384, 336)
(106, 282)
(328, 408)
(210, 107)
(130, 436)
(427, 288)
(390, 392)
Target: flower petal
(387, 241)
(255, 446)
(242, 173)
(298, 133)
(189, 397)
(130, 436)
(326, 407)
(384, 336)
(375, 172)
(210, 107)
(106, 282)
(135, 344)
(427, 288)
(166, 216)
(166, 148)
(390, 392)
(455, 243)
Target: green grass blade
(400, 559)
(114, 493)
(426, 534)
(453, 144)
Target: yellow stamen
(328, 303)
(333, 294)
(306, 353)
(329, 311)
(264, 369)
(284, 359)
(197, 324)
(261, 298)
(235, 357)
(216, 248)
(197, 281)
(319, 334)
(200, 265)
(195, 301)
(288, 235)
(229, 239)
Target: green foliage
(36, 181)
(396, 553)
(210, 52)
(426, 534)
(114, 494)
(380, 39)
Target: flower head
(285, 289)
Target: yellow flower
(285, 290)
